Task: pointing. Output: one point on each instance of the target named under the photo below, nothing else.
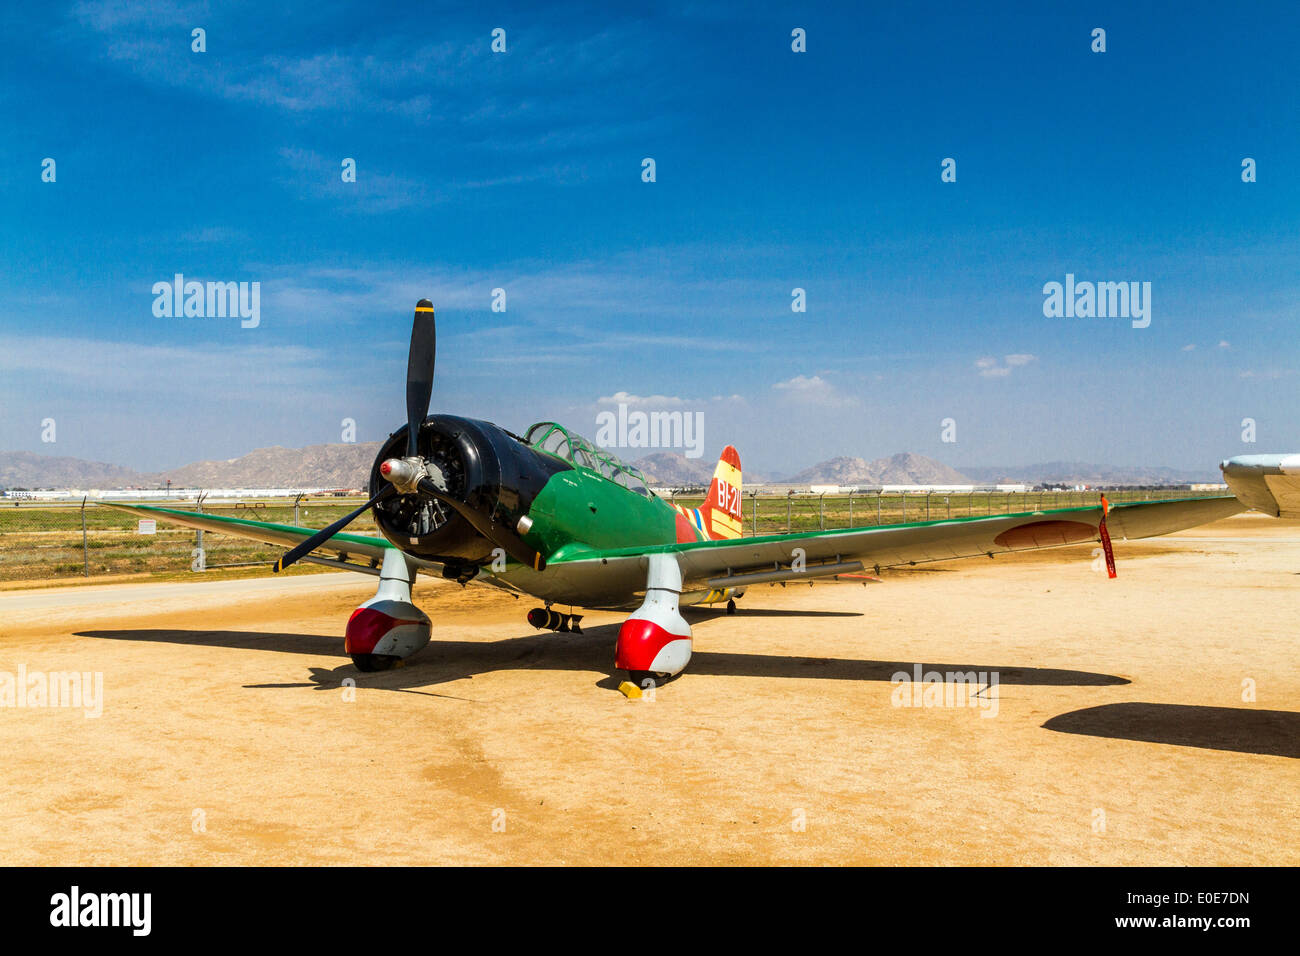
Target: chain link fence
(43, 540)
(46, 540)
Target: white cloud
(990, 367)
(319, 177)
(1267, 375)
(814, 390)
(626, 398)
(566, 92)
(129, 368)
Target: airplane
(550, 515)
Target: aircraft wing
(736, 562)
(1270, 483)
(344, 546)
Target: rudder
(722, 512)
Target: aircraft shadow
(705, 613)
(1273, 733)
(445, 661)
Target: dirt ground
(1117, 732)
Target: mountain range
(348, 466)
(901, 469)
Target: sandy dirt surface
(1120, 735)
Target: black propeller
(324, 534)
(419, 373)
(409, 475)
(419, 389)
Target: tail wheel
(731, 607)
(370, 663)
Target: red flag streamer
(1105, 538)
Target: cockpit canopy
(557, 440)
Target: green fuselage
(579, 511)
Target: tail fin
(721, 512)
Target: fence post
(927, 505)
(789, 498)
(85, 548)
(295, 509)
(903, 497)
(821, 511)
(879, 495)
(754, 496)
(850, 509)
(198, 533)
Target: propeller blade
(507, 538)
(323, 535)
(419, 373)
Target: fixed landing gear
(731, 606)
(655, 641)
(388, 627)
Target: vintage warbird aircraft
(550, 515)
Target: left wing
(770, 557)
(342, 545)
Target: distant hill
(348, 466)
(318, 466)
(25, 469)
(901, 469)
(1082, 473)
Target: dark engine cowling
(482, 466)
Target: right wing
(720, 563)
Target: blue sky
(775, 170)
